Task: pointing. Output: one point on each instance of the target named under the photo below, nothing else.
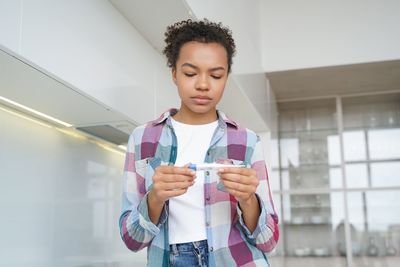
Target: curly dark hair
(203, 31)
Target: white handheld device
(212, 166)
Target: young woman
(216, 217)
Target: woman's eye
(216, 77)
(189, 74)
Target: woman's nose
(202, 83)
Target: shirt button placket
(207, 173)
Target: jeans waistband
(188, 246)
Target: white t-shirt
(186, 221)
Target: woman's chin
(200, 109)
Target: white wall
(282, 35)
(259, 92)
(306, 34)
(60, 199)
(237, 106)
(242, 17)
(10, 17)
(91, 46)
(166, 95)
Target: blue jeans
(189, 254)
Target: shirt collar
(223, 120)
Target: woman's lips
(201, 100)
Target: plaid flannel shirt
(230, 241)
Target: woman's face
(200, 74)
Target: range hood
(25, 83)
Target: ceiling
(336, 80)
(152, 17)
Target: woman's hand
(168, 181)
(240, 182)
(171, 181)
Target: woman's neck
(189, 117)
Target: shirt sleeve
(136, 229)
(266, 234)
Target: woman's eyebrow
(217, 68)
(195, 67)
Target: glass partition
(372, 140)
(310, 167)
(306, 129)
(312, 230)
(374, 216)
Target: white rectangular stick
(212, 166)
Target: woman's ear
(174, 75)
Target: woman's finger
(239, 187)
